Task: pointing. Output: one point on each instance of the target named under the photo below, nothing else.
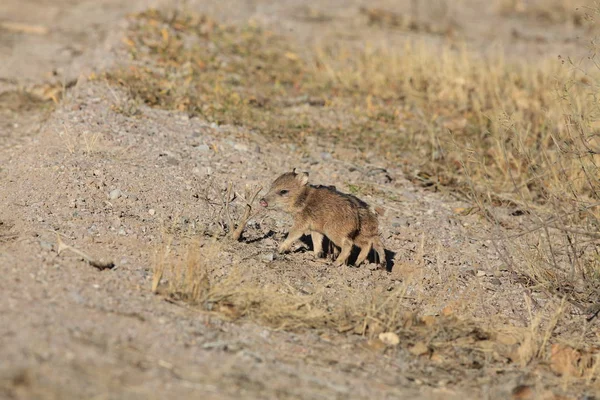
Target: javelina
(323, 211)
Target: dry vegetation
(550, 11)
(494, 131)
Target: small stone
(152, 211)
(400, 222)
(419, 349)
(203, 148)
(325, 155)
(115, 194)
(240, 147)
(268, 257)
(495, 281)
(480, 273)
(389, 338)
(122, 231)
(45, 245)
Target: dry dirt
(121, 188)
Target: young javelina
(323, 211)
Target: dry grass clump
(446, 346)
(549, 11)
(191, 63)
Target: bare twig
(20, 27)
(250, 197)
(99, 264)
(227, 200)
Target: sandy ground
(112, 186)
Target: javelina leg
(364, 252)
(333, 250)
(295, 233)
(380, 250)
(346, 250)
(317, 240)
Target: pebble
(480, 273)
(172, 161)
(268, 257)
(45, 245)
(325, 155)
(389, 338)
(152, 211)
(240, 147)
(115, 194)
(203, 148)
(400, 222)
(495, 281)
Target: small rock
(389, 338)
(400, 222)
(268, 257)
(480, 273)
(325, 155)
(115, 194)
(203, 148)
(122, 231)
(45, 245)
(240, 147)
(152, 211)
(419, 349)
(495, 281)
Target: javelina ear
(303, 178)
(294, 171)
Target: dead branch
(99, 264)
(20, 27)
(250, 197)
(228, 200)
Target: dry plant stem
(237, 233)
(227, 200)
(21, 27)
(101, 265)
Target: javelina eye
(282, 192)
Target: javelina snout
(285, 191)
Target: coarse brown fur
(323, 211)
